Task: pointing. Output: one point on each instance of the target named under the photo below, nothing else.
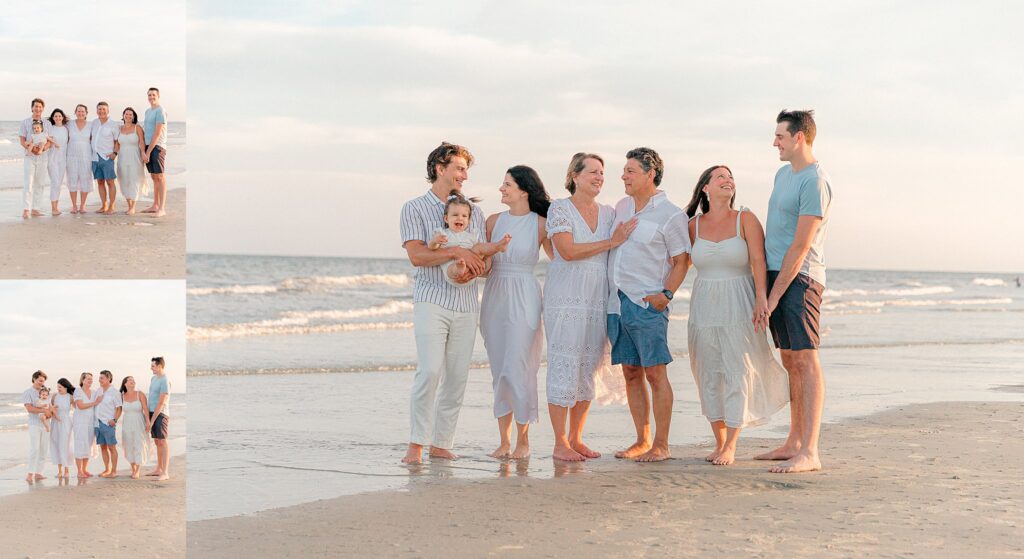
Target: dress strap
(739, 214)
(696, 226)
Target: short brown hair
(442, 155)
(37, 100)
(648, 159)
(38, 374)
(158, 361)
(153, 89)
(108, 374)
(799, 121)
(576, 165)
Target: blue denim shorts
(103, 169)
(639, 335)
(105, 434)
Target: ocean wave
(17, 427)
(5, 141)
(916, 303)
(906, 292)
(389, 308)
(989, 282)
(306, 284)
(10, 159)
(282, 329)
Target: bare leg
(74, 202)
(718, 429)
(111, 196)
(103, 196)
(792, 445)
(53, 208)
(522, 449)
(131, 207)
(505, 431)
(812, 384)
(639, 408)
(662, 399)
(577, 420)
(105, 453)
(563, 451)
(163, 456)
(85, 467)
(159, 194)
(728, 454)
(113, 461)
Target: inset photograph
(92, 418)
(92, 147)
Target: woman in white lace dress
(576, 302)
(131, 173)
(511, 307)
(738, 379)
(79, 159)
(135, 433)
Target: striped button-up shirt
(422, 217)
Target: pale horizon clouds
(66, 327)
(312, 125)
(99, 51)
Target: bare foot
(39, 477)
(55, 213)
(799, 463)
(501, 451)
(163, 477)
(154, 473)
(159, 213)
(129, 212)
(29, 478)
(521, 451)
(37, 213)
(784, 452)
(655, 454)
(87, 474)
(711, 457)
(135, 475)
(442, 453)
(112, 475)
(635, 450)
(24, 214)
(726, 457)
(503, 243)
(414, 455)
(74, 210)
(567, 454)
(585, 450)
(150, 210)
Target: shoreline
(897, 481)
(116, 518)
(93, 246)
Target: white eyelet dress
(737, 376)
(510, 318)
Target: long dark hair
(61, 113)
(528, 181)
(124, 384)
(67, 385)
(699, 197)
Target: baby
(44, 403)
(457, 214)
(38, 138)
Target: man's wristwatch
(668, 294)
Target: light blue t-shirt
(151, 119)
(795, 194)
(158, 386)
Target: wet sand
(113, 518)
(939, 479)
(94, 246)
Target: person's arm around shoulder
(753, 234)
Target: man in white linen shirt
(444, 315)
(108, 412)
(105, 132)
(643, 275)
(39, 439)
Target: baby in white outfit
(457, 213)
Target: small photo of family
(92, 159)
(92, 408)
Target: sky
(310, 122)
(69, 52)
(65, 328)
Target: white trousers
(37, 178)
(444, 348)
(39, 443)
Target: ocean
(300, 370)
(12, 157)
(14, 443)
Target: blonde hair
(576, 166)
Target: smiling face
(61, 389)
(37, 128)
(635, 179)
(457, 217)
(38, 382)
(58, 119)
(590, 180)
(104, 382)
(86, 381)
(102, 111)
(153, 96)
(454, 173)
(37, 110)
(510, 193)
(81, 112)
(785, 142)
(128, 116)
(129, 383)
(721, 185)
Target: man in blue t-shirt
(154, 130)
(159, 404)
(794, 247)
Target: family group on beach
(52, 425)
(77, 152)
(606, 298)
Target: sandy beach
(104, 518)
(94, 246)
(939, 479)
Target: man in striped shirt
(445, 315)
